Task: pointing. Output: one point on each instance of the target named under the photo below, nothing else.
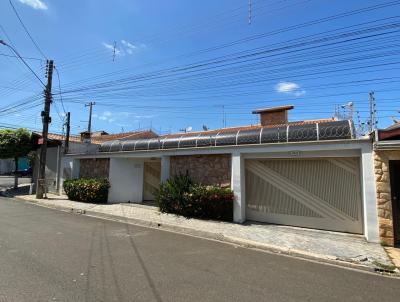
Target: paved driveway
(48, 255)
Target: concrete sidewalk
(333, 247)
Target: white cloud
(36, 4)
(128, 44)
(107, 116)
(286, 87)
(289, 88)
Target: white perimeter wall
(126, 178)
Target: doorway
(394, 169)
(152, 179)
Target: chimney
(85, 137)
(273, 115)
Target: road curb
(214, 236)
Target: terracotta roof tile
(105, 137)
(248, 127)
(125, 136)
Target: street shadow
(135, 249)
(11, 192)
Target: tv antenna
(114, 50)
(250, 10)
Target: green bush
(180, 195)
(94, 190)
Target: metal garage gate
(315, 193)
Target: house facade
(312, 174)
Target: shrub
(181, 196)
(87, 189)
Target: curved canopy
(332, 130)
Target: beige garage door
(314, 193)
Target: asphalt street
(49, 255)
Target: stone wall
(94, 167)
(382, 179)
(205, 169)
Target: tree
(15, 144)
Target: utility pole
(372, 111)
(68, 124)
(40, 190)
(90, 105)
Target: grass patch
(386, 267)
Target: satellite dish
(187, 129)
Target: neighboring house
(312, 173)
(387, 175)
(56, 152)
(7, 166)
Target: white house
(312, 174)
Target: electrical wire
(26, 30)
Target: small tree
(15, 144)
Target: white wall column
(370, 213)
(165, 168)
(238, 187)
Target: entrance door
(394, 168)
(152, 177)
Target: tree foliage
(14, 143)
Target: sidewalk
(332, 247)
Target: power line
(59, 88)
(26, 58)
(23, 61)
(26, 30)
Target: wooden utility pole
(90, 116)
(68, 126)
(41, 181)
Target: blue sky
(154, 37)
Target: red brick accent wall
(94, 167)
(274, 118)
(205, 169)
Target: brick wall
(382, 179)
(205, 169)
(94, 167)
(274, 118)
